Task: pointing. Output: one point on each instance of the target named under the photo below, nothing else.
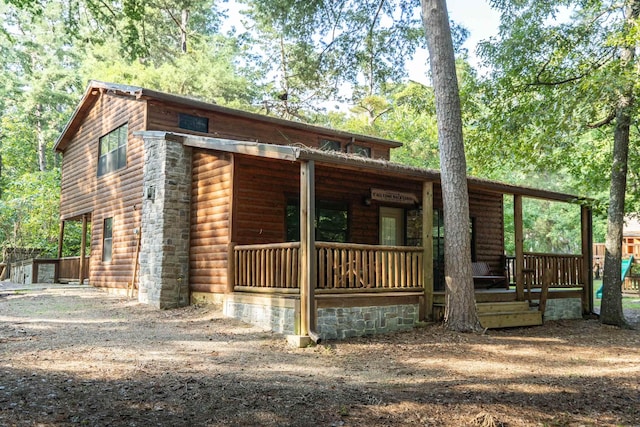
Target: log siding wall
(487, 209)
(164, 117)
(210, 220)
(263, 186)
(117, 194)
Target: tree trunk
(42, 144)
(611, 306)
(460, 309)
(183, 30)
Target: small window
(361, 150)
(194, 123)
(332, 221)
(113, 150)
(329, 145)
(107, 240)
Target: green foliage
(553, 86)
(548, 227)
(29, 212)
(209, 70)
(312, 49)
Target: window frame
(193, 123)
(292, 210)
(115, 158)
(360, 150)
(107, 239)
(330, 145)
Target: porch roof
(353, 162)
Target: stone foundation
(563, 308)
(278, 315)
(348, 322)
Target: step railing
(566, 271)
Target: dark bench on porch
(483, 277)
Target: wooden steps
(509, 314)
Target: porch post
(307, 248)
(83, 248)
(56, 274)
(60, 239)
(587, 259)
(427, 249)
(231, 268)
(519, 242)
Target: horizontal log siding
(164, 117)
(487, 209)
(263, 186)
(210, 210)
(117, 194)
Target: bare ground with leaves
(82, 357)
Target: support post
(60, 239)
(83, 249)
(427, 249)
(587, 259)
(307, 250)
(231, 268)
(519, 242)
(56, 274)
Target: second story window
(329, 145)
(113, 151)
(360, 150)
(194, 123)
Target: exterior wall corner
(165, 240)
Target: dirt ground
(78, 356)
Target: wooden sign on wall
(392, 196)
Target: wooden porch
(373, 273)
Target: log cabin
(308, 231)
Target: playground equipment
(626, 267)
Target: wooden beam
(587, 259)
(427, 248)
(519, 242)
(307, 247)
(83, 249)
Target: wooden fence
(631, 284)
(69, 268)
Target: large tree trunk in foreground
(611, 306)
(460, 311)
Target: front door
(391, 226)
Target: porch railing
(340, 266)
(566, 270)
(272, 265)
(351, 266)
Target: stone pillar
(164, 245)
